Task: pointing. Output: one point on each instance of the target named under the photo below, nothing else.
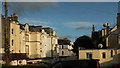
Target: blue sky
(68, 19)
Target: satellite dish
(100, 45)
(105, 24)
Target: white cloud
(61, 36)
(79, 25)
(34, 22)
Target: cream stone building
(65, 48)
(34, 41)
(106, 57)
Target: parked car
(76, 64)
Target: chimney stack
(93, 28)
(107, 28)
(11, 15)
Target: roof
(117, 31)
(35, 28)
(48, 30)
(63, 42)
(22, 26)
(32, 28)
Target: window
(103, 55)
(62, 47)
(12, 31)
(55, 48)
(12, 43)
(62, 52)
(27, 49)
(89, 55)
(111, 53)
(27, 37)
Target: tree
(83, 41)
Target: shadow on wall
(113, 40)
(116, 60)
(49, 54)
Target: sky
(68, 19)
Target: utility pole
(0, 25)
(7, 51)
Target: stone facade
(65, 48)
(105, 56)
(35, 41)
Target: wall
(97, 54)
(22, 41)
(18, 62)
(46, 44)
(33, 44)
(15, 36)
(66, 49)
(113, 40)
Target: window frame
(62, 46)
(111, 53)
(62, 52)
(12, 31)
(103, 55)
(12, 43)
(89, 55)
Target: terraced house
(33, 41)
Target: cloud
(24, 7)
(82, 27)
(79, 25)
(34, 22)
(67, 36)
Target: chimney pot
(93, 28)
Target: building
(34, 41)
(108, 45)
(100, 36)
(107, 57)
(54, 41)
(114, 37)
(65, 48)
